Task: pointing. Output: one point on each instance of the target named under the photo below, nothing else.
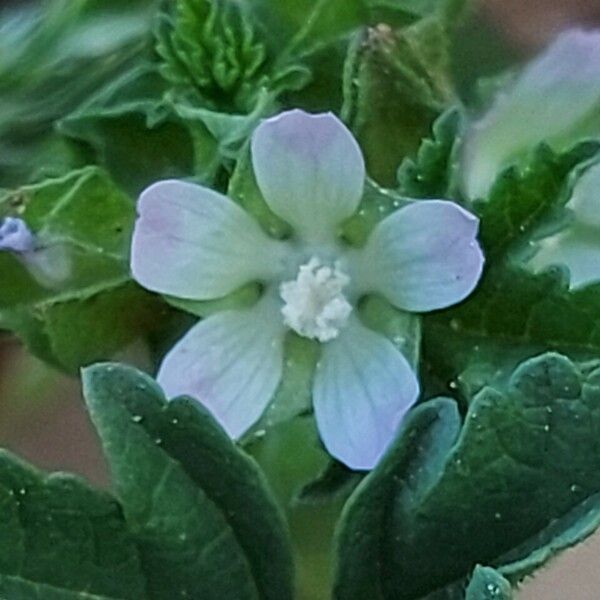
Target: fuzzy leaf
(395, 87)
(61, 540)
(514, 313)
(444, 498)
(199, 508)
(431, 174)
(72, 301)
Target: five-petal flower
(194, 243)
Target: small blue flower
(194, 243)
(15, 236)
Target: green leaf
(132, 132)
(215, 54)
(512, 312)
(432, 173)
(72, 300)
(488, 584)
(444, 498)
(335, 481)
(199, 508)
(304, 26)
(522, 198)
(395, 87)
(15, 588)
(48, 67)
(62, 540)
(563, 533)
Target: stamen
(315, 306)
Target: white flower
(556, 99)
(577, 245)
(194, 243)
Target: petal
(309, 169)
(15, 236)
(192, 242)
(363, 388)
(422, 257)
(555, 99)
(231, 362)
(577, 248)
(585, 201)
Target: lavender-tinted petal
(231, 362)
(363, 388)
(555, 99)
(422, 257)
(310, 171)
(192, 242)
(15, 236)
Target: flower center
(314, 304)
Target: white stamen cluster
(315, 306)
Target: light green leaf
(488, 584)
(61, 538)
(199, 508)
(72, 301)
(444, 498)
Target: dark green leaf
(443, 499)
(61, 540)
(335, 481)
(522, 198)
(132, 132)
(432, 173)
(199, 508)
(514, 313)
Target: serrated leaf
(63, 539)
(72, 300)
(514, 312)
(431, 173)
(521, 198)
(395, 87)
(198, 507)
(488, 584)
(444, 498)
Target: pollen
(315, 306)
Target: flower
(577, 244)
(194, 243)
(48, 264)
(556, 99)
(15, 236)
